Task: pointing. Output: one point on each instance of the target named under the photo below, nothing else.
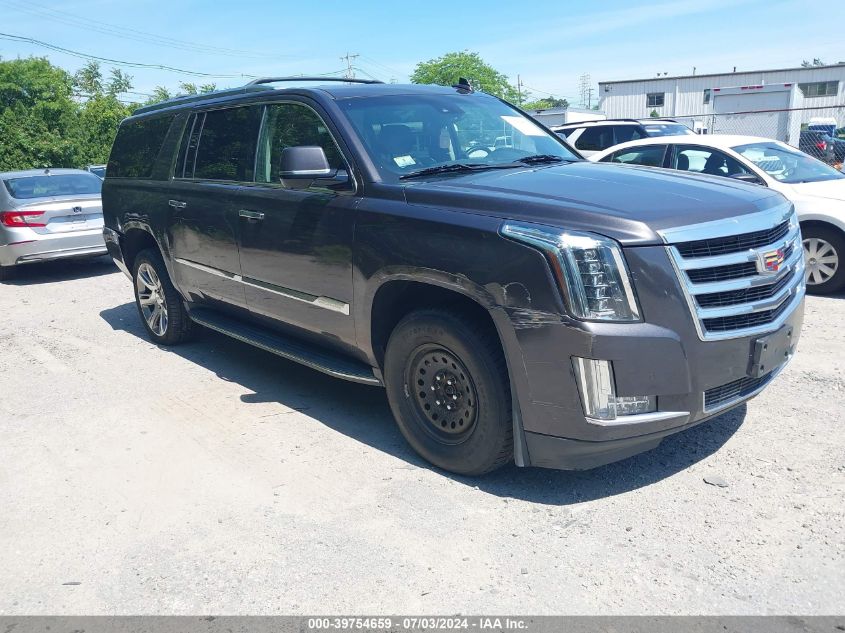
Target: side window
(227, 142)
(292, 125)
(567, 132)
(625, 133)
(649, 156)
(703, 160)
(595, 138)
(188, 146)
(136, 147)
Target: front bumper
(663, 357)
(26, 246)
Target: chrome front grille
(741, 277)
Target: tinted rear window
(136, 148)
(50, 186)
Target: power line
(118, 62)
(89, 24)
(350, 71)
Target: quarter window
(655, 99)
(596, 138)
(227, 140)
(292, 125)
(136, 147)
(649, 156)
(820, 89)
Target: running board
(328, 362)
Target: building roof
(739, 72)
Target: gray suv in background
(589, 137)
(49, 214)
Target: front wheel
(159, 304)
(448, 388)
(824, 249)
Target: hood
(629, 204)
(829, 189)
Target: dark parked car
(822, 146)
(518, 303)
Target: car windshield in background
(785, 164)
(406, 134)
(44, 186)
(666, 129)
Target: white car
(817, 190)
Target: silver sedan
(48, 214)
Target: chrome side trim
(327, 303)
(642, 418)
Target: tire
(824, 253)
(153, 289)
(448, 388)
(6, 272)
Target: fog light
(598, 392)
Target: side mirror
(304, 161)
(754, 180)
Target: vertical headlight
(589, 268)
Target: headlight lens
(589, 268)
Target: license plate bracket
(770, 352)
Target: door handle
(177, 204)
(251, 215)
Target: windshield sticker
(524, 125)
(404, 161)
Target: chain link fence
(818, 131)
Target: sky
(549, 45)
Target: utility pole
(586, 91)
(350, 71)
(519, 90)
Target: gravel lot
(216, 478)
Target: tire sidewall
(480, 451)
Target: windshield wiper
(445, 169)
(538, 159)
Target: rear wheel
(448, 388)
(824, 250)
(159, 304)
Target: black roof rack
(272, 80)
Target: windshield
(786, 164)
(404, 134)
(48, 186)
(99, 171)
(666, 129)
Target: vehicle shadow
(50, 272)
(362, 413)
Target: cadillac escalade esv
(518, 303)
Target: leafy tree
(654, 114)
(88, 80)
(36, 111)
(816, 62)
(42, 125)
(192, 89)
(118, 82)
(160, 93)
(545, 104)
(448, 69)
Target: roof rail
(272, 80)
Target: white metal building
(691, 95)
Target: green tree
(545, 104)
(118, 82)
(160, 93)
(448, 69)
(88, 80)
(37, 111)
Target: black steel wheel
(448, 388)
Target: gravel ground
(216, 478)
